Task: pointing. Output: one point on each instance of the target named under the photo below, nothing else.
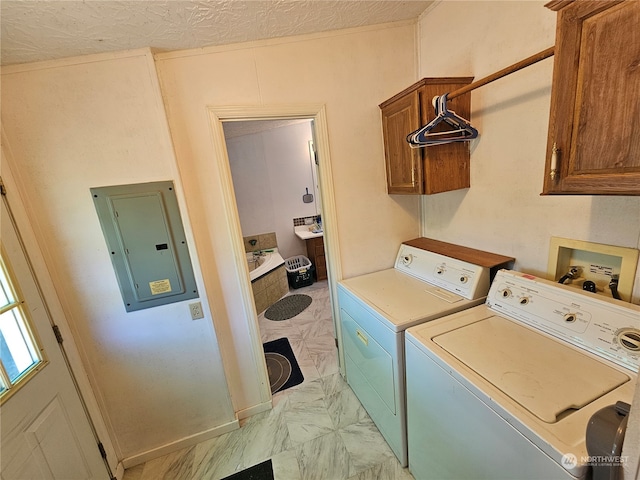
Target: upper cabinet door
(427, 170)
(404, 169)
(595, 101)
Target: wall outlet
(196, 310)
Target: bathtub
(269, 260)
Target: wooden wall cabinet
(595, 99)
(426, 170)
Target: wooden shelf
(489, 260)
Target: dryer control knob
(407, 259)
(506, 293)
(464, 279)
(629, 338)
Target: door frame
(317, 113)
(49, 297)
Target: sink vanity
(315, 249)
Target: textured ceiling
(35, 30)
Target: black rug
(288, 307)
(261, 471)
(284, 371)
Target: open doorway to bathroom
(274, 172)
(324, 198)
(278, 163)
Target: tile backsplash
(262, 241)
(304, 220)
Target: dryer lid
(403, 300)
(545, 376)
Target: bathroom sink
(304, 233)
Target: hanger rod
(502, 73)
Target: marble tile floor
(317, 430)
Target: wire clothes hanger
(425, 136)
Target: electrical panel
(143, 230)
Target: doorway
(273, 169)
(316, 113)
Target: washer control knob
(407, 259)
(506, 293)
(629, 338)
(464, 279)
(570, 317)
(440, 271)
(524, 300)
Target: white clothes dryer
(506, 390)
(375, 310)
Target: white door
(44, 431)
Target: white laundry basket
(299, 271)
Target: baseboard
(119, 474)
(249, 412)
(179, 444)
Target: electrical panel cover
(143, 230)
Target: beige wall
(95, 121)
(503, 211)
(350, 72)
(99, 120)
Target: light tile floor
(317, 430)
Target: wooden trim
(556, 5)
(318, 113)
(466, 254)
(216, 115)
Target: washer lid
(545, 376)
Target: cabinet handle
(555, 153)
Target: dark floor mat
(261, 471)
(283, 368)
(288, 307)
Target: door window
(20, 355)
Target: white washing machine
(505, 390)
(375, 310)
